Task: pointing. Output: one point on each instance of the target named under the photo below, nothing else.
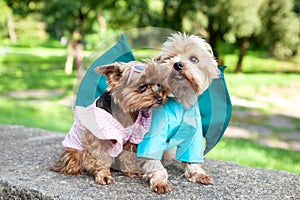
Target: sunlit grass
(257, 63)
(249, 85)
(49, 115)
(34, 69)
(249, 153)
(38, 51)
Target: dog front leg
(129, 162)
(194, 173)
(96, 158)
(156, 174)
(100, 169)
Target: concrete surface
(27, 153)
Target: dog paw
(200, 178)
(104, 180)
(161, 188)
(133, 175)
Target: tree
(23, 22)
(174, 11)
(74, 22)
(6, 20)
(273, 23)
(77, 19)
(230, 20)
(213, 10)
(243, 22)
(280, 27)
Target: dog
(189, 67)
(133, 89)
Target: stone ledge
(27, 153)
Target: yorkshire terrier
(133, 88)
(189, 67)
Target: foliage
(243, 19)
(35, 31)
(271, 23)
(23, 7)
(281, 27)
(138, 13)
(75, 15)
(5, 12)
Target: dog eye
(142, 87)
(194, 59)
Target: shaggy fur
(128, 97)
(189, 67)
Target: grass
(252, 152)
(33, 69)
(249, 85)
(39, 70)
(49, 115)
(258, 62)
(249, 153)
(262, 77)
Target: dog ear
(112, 72)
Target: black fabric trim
(104, 102)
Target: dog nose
(159, 100)
(178, 66)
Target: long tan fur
(198, 69)
(127, 100)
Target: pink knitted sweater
(105, 127)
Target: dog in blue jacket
(189, 66)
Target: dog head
(134, 85)
(190, 65)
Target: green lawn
(258, 62)
(248, 153)
(37, 68)
(249, 85)
(39, 71)
(49, 115)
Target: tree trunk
(213, 38)
(11, 29)
(102, 22)
(74, 51)
(70, 58)
(243, 49)
(213, 35)
(271, 50)
(78, 54)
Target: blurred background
(43, 44)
